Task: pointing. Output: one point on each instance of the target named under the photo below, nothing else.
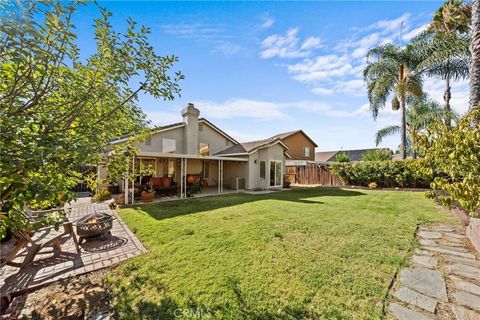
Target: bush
(372, 185)
(454, 153)
(377, 155)
(342, 156)
(102, 195)
(386, 174)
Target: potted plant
(147, 195)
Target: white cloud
(321, 68)
(163, 118)
(267, 22)
(414, 32)
(323, 91)
(459, 90)
(288, 45)
(241, 108)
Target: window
(168, 169)
(275, 173)
(307, 151)
(262, 169)
(203, 149)
(148, 141)
(169, 145)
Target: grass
(307, 253)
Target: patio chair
(44, 237)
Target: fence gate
(312, 174)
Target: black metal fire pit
(92, 225)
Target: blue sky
(259, 68)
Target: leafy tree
(342, 156)
(377, 155)
(391, 70)
(452, 156)
(59, 110)
(475, 52)
(452, 16)
(421, 113)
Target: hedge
(386, 174)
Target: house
(301, 148)
(196, 149)
(354, 155)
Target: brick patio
(94, 255)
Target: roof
(251, 146)
(289, 133)
(325, 155)
(154, 130)
(217, 129)
(354, 155)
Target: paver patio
(95, 254)
(442, 280)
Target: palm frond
(385, 132)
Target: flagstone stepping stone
(470, 262)
(454, 240)
(424, 261)
(464, 270)
(427, 242)
(421, 252)
(450, 251)
(403, 313)
(462, 313)
(441, 228)
(429, 235)
(465, 286)
(467, 299)
(425, 281)
(455, 235)
(411, 297)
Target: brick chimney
(190, 117)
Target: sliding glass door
(275, 173)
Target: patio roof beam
(187, 156)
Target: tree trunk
(403, 129)
(475, 51)
(446, 97)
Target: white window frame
(307, 154)
(163, 145)
(276, 163)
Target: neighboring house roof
(251, 146)
(354, 155)
(325, 155)
(289, 133)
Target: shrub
(454, 153)
(102, 195)
(377, 155)
(387, 174)
(342, 156)
(372, 185)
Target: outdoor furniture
(44, 237)
(93, 225)
(164, 186)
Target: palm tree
(392, 73)
(443, 55)
(421, 113)
(475, 51)
(445, 46)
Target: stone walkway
(442, 280)
(95, 254)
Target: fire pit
(92, 225)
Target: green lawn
(307, 253)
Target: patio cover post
(133, 179)
(218, 178)
(221, 184)
(185, 178)
(181, 175)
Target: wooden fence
(312, 174)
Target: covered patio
(180, 175)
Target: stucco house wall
(296, 144)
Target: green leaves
(58, 111)
(455, 154)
